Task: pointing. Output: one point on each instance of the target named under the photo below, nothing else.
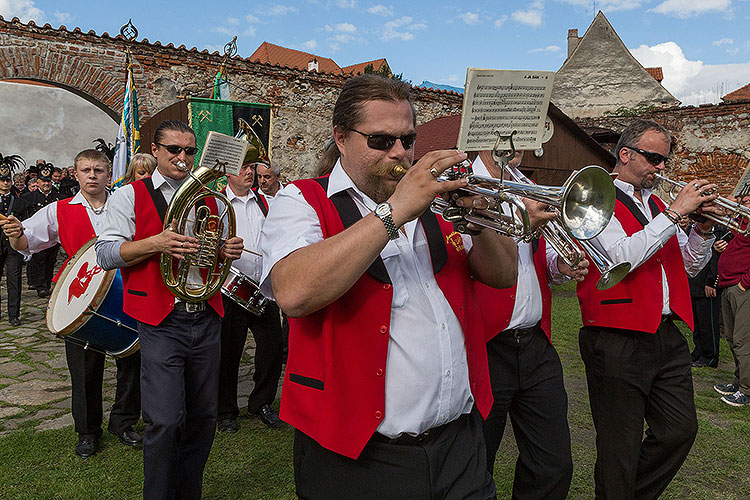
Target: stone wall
(711, 141)
(93, 66)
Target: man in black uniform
(41, 267)
(10, 260)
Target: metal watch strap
(387, 219)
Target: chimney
(572, 41)
(313, 65)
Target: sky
(702, 45)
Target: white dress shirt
(643, 244)
(427, 376)
(42, 228)
(527, 307)
(249, 223)
(270, 198)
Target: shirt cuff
(108, 254)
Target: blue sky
(703, 45)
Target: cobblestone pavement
(34, 377)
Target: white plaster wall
(49, 123)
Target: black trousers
(41, 268)
(179, 386)
(449, 465)
(706, 335)
(527, 383)
(634, 376)
(12, 262)
(268, 356)
(86, 371)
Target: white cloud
(310, 45)
(723, 41)
(249, 31)
(281, 10)
(224, 30)
(25, 10)
(346, 4)
(469, 17)
(692, 82)
(346, 28)
(63, 17)
(606, 5)
(689, 8)
(401, 29)
(500, 20)
(549, 49)
(251, 19)
(530, 17)
(380, 10)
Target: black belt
(191, 307)
(522, 332)
(667, 317)
(408, 439)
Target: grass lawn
(256, 463)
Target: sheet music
(228, 151)
(504, 100)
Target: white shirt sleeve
(696, 252)
(120, 225)
(41, 230)
(291, 224)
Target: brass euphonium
(207, 215)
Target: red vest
(635, 303)
(497, 304)
(73, 228)
(334, 386)
(145, 296)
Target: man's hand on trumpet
(539, 213)
(696, 196)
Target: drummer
(251, 208)
(64, 222)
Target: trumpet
(734, 213)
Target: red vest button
(379, 373)
(378, 414)
(383, 329)
(387, 286)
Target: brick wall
(93, 66)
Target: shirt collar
(79, 199)
(231, 195)
(629, 189)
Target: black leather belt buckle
(191, 307)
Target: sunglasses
(384, 142)
(175, 150)
(651, 157)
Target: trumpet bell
(613, 275)
(588, 202)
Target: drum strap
(159, 202)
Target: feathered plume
(104, 147)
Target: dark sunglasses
(651, 157)
(384, 142)
(175, 150)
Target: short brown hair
(633, 133)
(93, 155)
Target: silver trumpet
(734, 213)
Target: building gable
(601, 76)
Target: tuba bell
(207, 215)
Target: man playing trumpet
(638, 365)
(180, 342)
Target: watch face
(383, 209)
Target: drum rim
(99, 297)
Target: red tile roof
(275, 54)
(657, 73)
(357, 69)
(440, 133)
(740, 94)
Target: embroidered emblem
(455, 239)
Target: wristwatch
(383, 212)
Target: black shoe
(699, 364)
(726, 389)
(228, 425)
(129, 437)
(269, 416)
(86, 447)
(42, 293)
(15, 322)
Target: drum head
(81, 285)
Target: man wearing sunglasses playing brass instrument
(638, 366)
(387, 366)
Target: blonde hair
(144, 160)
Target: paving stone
(56, 423)
(42, 373)
(22, 331)
(34, 392)
(57, 362)
(37, 356)
(9, 411)
(4, 360)
(5, 381)
(10, 425)
(46, 413)
(65, 404)
(14, 368)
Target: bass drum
(86, 307)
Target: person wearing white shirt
(46, 229)
(387, 365)
(638, 364)
(525, 370)
(250, 208)
(268, 180)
